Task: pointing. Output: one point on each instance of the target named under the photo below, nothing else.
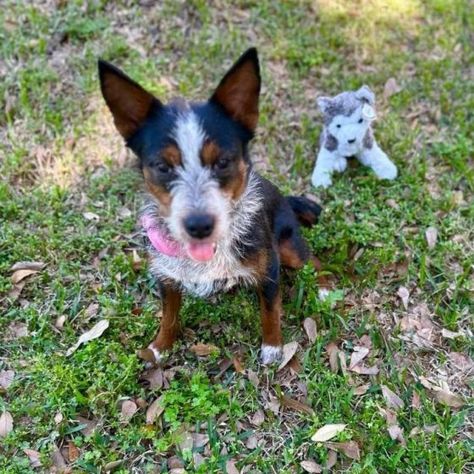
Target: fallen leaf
(60, 321)
(333, 352)
(174, 462)
(237, 365)
(128, 409)
(230, 467)
(186, 442)
(311, 466)
(448, 398)
(95, 332)
(296, 405)
(391, 88)
(6, 424)
(15, 292)
(309, 325)
(359, 354)
(73, 452)
(58, 460)
(361, 389)
(112, 465)
(392, 399)
(33, 456)
(6, 379)
(415, 400)
(461, 361)
(363, 370)
(58, 417)
(252, 442)
(91, 216)
(332, 459)
(36, 266)
(253, 377)
(89, 427)
(155, 377)
(431, 235)
(328, 432)
(203, 350)
(154, 411)
(289, 350)
(404, 295)
(21, 275)
(199, 440)
(17, 330)
(451, 335)
(396, 433)
(349, 448)
(198, 459)
(257, 418)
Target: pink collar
(160, 239)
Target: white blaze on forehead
(189, 136)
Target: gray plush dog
(347, 132)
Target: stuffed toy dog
(347, 133)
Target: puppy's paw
(321, 180)
(151, 355)
(270, 354)
(340, 165)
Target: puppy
(212, 222)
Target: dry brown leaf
(155, 377)
(60, 321)
(154, 411)
(36, 266)
(203, 350)
(391, 88)
(363, 370)
(95, 332)
(415, 400)
(15, 292)
(58, 417)
(33, 456)
(359, 354)
(349, 448)
(199, 440)
(404, 295)
(6, 379)
(58, 461)
(333, 352)
(448, 398)
(332, 459)
(17, 330)
(6, 424)
(128, 409)
(296, 405)
(361, 389)
(258, 418)
(89, 425)
(73, 452)
(21, 275)
(237, 365)
(186, 442)
(309, 325)
(230, 467)
(392, 399)
(91, 216)
(253, 377)
(461, 361)
(328, 432)
(451, 335)
(289, 350)
(431, 235)
(311, 466)
(396, 433)
(252, 442)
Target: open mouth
(201, 251)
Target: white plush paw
(321, 180)
(340, 165)
(388, 171)
(270, 354)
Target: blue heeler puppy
(347, 132)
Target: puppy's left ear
(365, 94)
(239, 90)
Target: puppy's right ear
(129, 103)
(323, 103)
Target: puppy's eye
(338, 125)
(222, 163)
(162, 167)
(361, 120)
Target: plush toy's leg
(380, 163)
(323, 169)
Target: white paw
(151, 355)
(389, 171)
(323, 180)
(270, 354)
(340, 165)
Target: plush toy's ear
(239, 90)
(366, 95)
(323, 103)
(129, 103)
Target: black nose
(199, 226)
(352, 140)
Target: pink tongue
(201, 251)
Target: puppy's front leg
(170, 326)
(271, 310)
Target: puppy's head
(193, 155)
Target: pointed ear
(238, 91)
(323, 103)
(129, 103)
(365, 94)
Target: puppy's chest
(204, 278)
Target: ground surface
(402, 252)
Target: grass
(60, 158)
